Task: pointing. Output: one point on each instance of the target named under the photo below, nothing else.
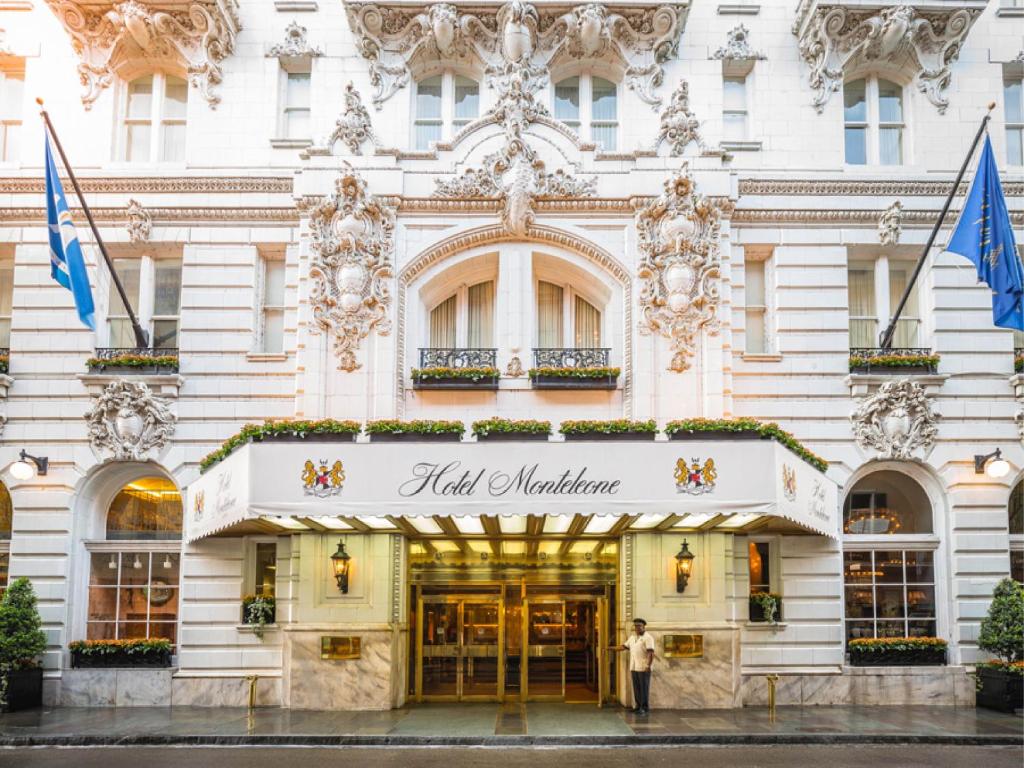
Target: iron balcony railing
(109, 353)
(458, 357)
(571, 357)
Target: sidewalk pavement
(506, 724)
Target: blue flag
(67, 266)
(985, 236)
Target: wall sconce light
(991, 464)
(24, 470)
(341, 560)
(684, 567)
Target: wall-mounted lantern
(684, 567)
(29, 466)
(341, 560)
(991, 464)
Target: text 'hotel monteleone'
(361, 211)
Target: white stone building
(307, 199)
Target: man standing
(641, 655)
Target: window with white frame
(155, 115)
(12, 95)
(873, 120)
(465, 319)
(565, 316)
(6, 298)
(1015, 526)
(295, 99)
(271, 319)
(1013, 108)
(134, 572)
(756, 302)
(761, 577)
(589, 105)
(875, 289)
(444, 104)
(735, 122)
(153, 286)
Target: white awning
(334, 481)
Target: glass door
(438, 632)
(459, 649)
(482, 670)
(543, 667)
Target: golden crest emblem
(198, 502)
(695, 478)
(789, 482)
(322, 479)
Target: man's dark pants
(641, 689)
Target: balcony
(131, 360)
(572, 368)
(896, 360)
(456, 368)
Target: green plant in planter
(894, 361)
(476, 373)
(4, 363)
(133, 361)
(1002, 630)
(1018, 363)
(259, 611)
(22, 640)
(135, 646)
(769, 602)
(495, 425)
(302, 428)
(417, 426)
(609, 427)
(769, 430)
(583, 372)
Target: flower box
(547, 377)
(134, 364)
(1000, 687)
(610, 436)
(511, 437)
(309, 437)
(756, 613)
(609, 429)
(323, 430)
(135, 370)
(741, 429)
(897, 652)
(744, 434)
(415, 437)
(497, 430)
(141, 659)
(896, 364)
(24, 689)
(415, 431)
(455, 378)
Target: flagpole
(886, 337)
(140, 335)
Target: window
(156, 111)
(734, 107)
(265, 561)
(153, 286)
(889, 593)
(873, 122)
(1013, 106)
(875, 289)
(6, 523)
(887, 503)
(12, 94)
(1015, 512)
(6, 299)
(562, 314)
(444, 104)
(295, 104)
(271, 330)
(465, 319)
(133, 576)
(760, 565)
(756, 304)
(589, 102)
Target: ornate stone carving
(896, 421)
(678, 241)
(353, 125)
(127, 420)
(513, 370)
(679, 126)
(352, 239)
(1018, 417)
(115, 38)
(140, 224)
(737, 46)
(890, 224)
(392, 37)
(835, 39)
(295, 45)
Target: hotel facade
(642, 211)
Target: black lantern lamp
(684, 567)
(341, 560)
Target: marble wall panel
(224, 692)
(711, 682)
(358, 684)
(115, 687)
(866, 686)
(143, 688)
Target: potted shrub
(765, 607)
(741, 429)
(428, 431)
(897, 652)
(495, 429)
(1001, 683)
(134, 363)
(258, 611)
(22, 642)
(138, 652)
(613, 429)
(1018, 364)
(471, 377)
(583, 377)
(899, 363)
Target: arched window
(464, 319)
(6, 520)
(873, 122)
(133, 575)
(1015, 511)
(444, 104)
(155, 114)
(566, 319)
(589, 105)
(889, 558)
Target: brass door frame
(461, 600)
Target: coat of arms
(695, 478)
(789, 482)
(321, 480)
(197, 505)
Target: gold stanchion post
(772, 679)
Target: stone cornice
(867, 188)
(157, 184)
(834, 216)
(159, 215)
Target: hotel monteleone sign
(321, 479)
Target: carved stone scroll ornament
(837, 40)
(295, 45)
(737, 46)
(115, 38)
(352, 239)
(890, 224)
(680, 127)
(127, 420)
(353, 125)
(896, 421)
(140, 224)
(679, 257)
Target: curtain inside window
(588, 324)
(862, 308)
(442, 324)
(549, 315)
(906, 328)
(481, 315)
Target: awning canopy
(321, 485)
